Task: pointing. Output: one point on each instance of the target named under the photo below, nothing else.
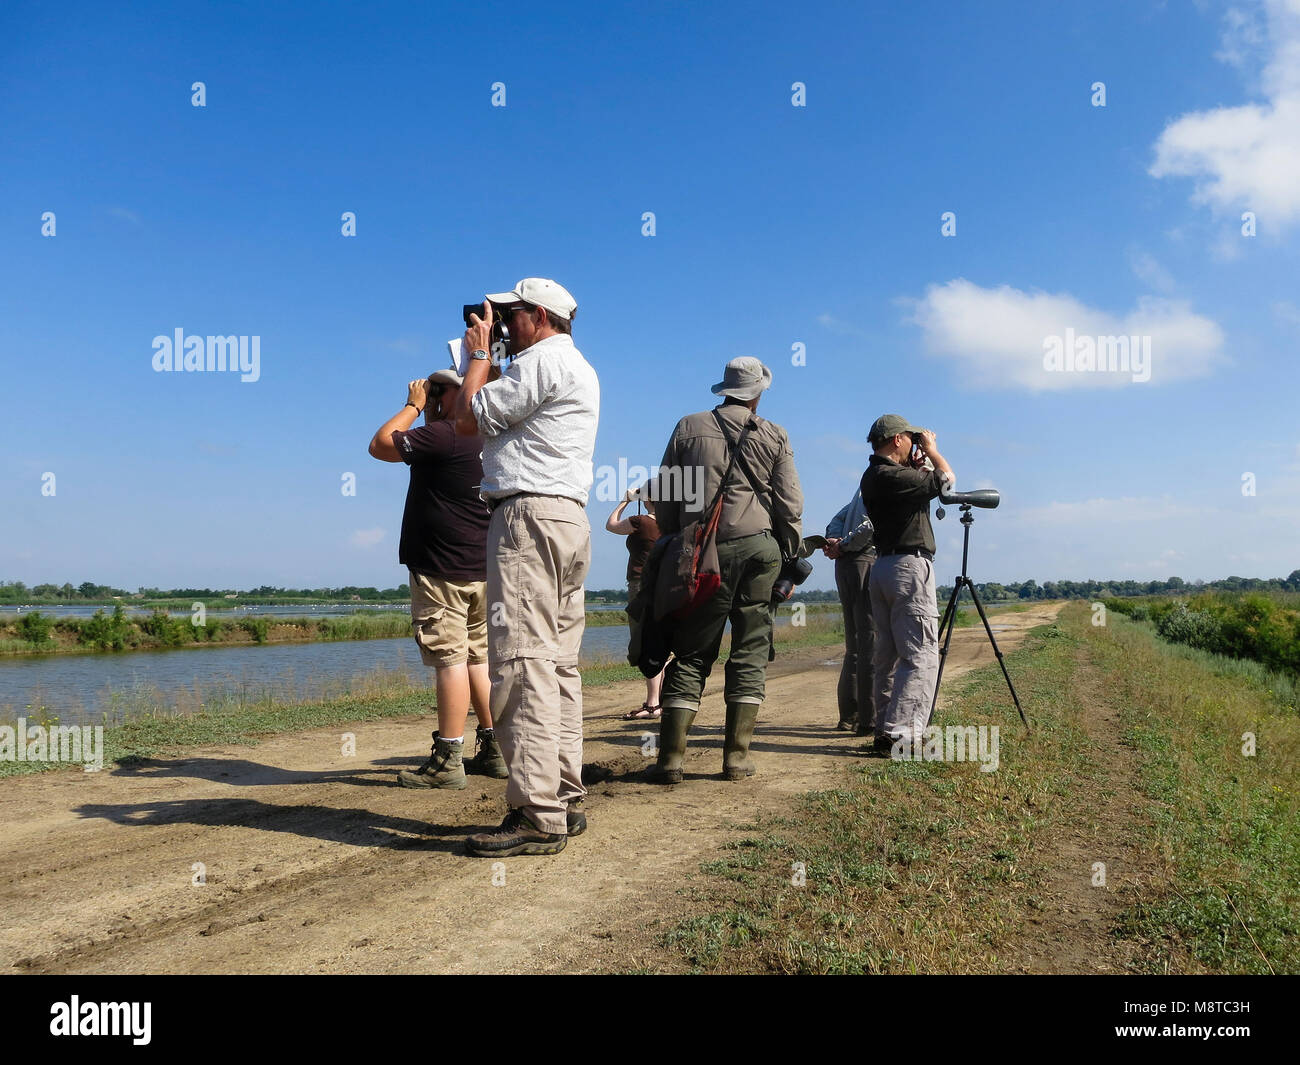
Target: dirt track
(319, 863)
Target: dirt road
(317, 862)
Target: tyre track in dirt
(1074, 932)
(316, 862)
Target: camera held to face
(500, 328)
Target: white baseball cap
(540, 292)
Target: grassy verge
(1225, 822)
(381, 694)
(908, 867)
(938, 867)
(1283, 687)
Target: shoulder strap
(731, 465)
(744, 466)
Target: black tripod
(950, 618)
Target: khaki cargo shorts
(450, 619)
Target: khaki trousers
(538, 553)
(906, 619)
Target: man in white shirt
(538, 421)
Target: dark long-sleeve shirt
(898, 503)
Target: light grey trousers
(906, 617)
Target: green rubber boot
(735, 747)
(443, 769)
(674, 724)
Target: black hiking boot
(488, 761)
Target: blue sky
(775, 225)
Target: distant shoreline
(77, 636)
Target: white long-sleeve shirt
(538, 422)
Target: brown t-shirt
(645, 531)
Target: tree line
(18, 592)
(995, 592)
(991, 591)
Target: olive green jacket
(693, 465)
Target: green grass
(934, 867)
(1228, 824)
(909, 867)
(1282, 686)
(1256, 627)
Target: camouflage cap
(890, 425)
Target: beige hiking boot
(442, 769)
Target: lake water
(79, 689)
(82, 688)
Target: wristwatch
(480, 355)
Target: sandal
(642, 713)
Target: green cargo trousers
(748, 566)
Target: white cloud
(1147, 270)
(1244, 38)
(997, 337)
(366, 538)
(1246, 157)
(1102, 512)
(839, 326)
(124, 213)
(1287, 312)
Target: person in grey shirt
(849, 543)
(538, 421)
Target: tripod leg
(989, 629)
(949, 620)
